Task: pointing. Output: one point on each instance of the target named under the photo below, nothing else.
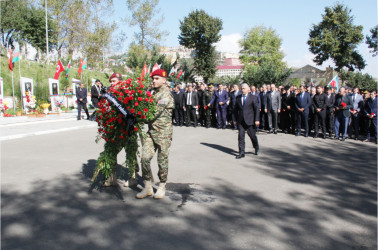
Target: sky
(292, 20)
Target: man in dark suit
(358, 103)
(320, 104)
(302, 105)
(178, 112)
(330, 116)
(343, 104)
(220, 99)
(81, 95)
(191, 105)
(247, 116)
(371, 112)
(201, 104)
(285, 113)
(233, 94)
(264, 109)
(257, 94)
(95, 97)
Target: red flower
(148, 93)
(140, 99)
(140, 91)
(139, 113)
(142, 86)
(132, 111)
(145, 110)
(343, 104)
(135, 129)
(206, 108)
(121, 137)
(146, 99)
(151, 100)
(136, 104)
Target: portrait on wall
(53, 86)
(26, 86)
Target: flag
(311, 83)
(155, 67)
(59, 68)
(179, 74)
(16, 56)
(173, 71)
(10, 60)
(80, 67)
(144, 71)
(334, 83)
(149, 69)
(183, 73)
(68, 69)
(84, 64)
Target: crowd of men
(324, 112)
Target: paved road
(299, 193)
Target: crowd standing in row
(321, 111)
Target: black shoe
(257, 151)
(270, 131)
(343, 139)
(316, 136)
(298, 134)
(275, 132)
(324, 136)
(306, 135)
(240, 156)
(356, 138)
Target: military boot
(146, 191)
(160, 193)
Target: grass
(40, 73)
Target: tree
(336, 38)
(372, 41)
(262, 57)
(260, 45)
(22, 23)
(142, 14)
(199, 31)
(264, 73)
(357, 79)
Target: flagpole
(14, 102)
(19, 70)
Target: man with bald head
(247, 116)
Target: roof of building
(229, 67)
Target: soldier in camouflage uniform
(207, 96)
(159, 136)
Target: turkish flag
(155, 67)
(59, 68)
(144, 71)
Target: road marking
(35, 122)
(18, 136)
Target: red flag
(59, 68)
(155, 67)
(144, 71)
(10, 61)
(80, 67)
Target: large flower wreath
(122, 112)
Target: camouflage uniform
(207, 96)
(159, 136)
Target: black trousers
(330, 121)
(79, 105)
(264, 124)
(190, 113)
(354, 125)
(301, 116)
(320, 116)
(285, 120)
(178, 114)
(241, 137)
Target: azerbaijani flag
(16, 56)
(183, 73)
(173, 71)
(179, 74)
(334, 83)
(68, 69)
(84, 64)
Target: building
(308, 73)
(232, 67)
(171, 52)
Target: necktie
(190, 98)
(243, 100)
